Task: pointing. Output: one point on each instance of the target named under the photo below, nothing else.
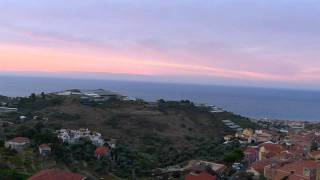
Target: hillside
(154, 135)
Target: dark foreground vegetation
(149, 136)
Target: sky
(269, 43)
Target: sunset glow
(203, 40)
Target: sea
(258, 103)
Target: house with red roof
(299, 152)
(257, 168)
(198, 166)
(269, 150)
(202, 176)
(302, 139)
(55, 174)
(102, 151)
(251, 154)
(297, 170)
(17, 143)
(44, 149)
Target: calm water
(251, 102)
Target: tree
(33, 97)
(43, 95)
(234, 156)
(314, 146)
(1, 143)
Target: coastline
(256, 103)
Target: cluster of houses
(98, 95)
(283, 150)
(249, 136)
(20, 143)
(103, 149)
(74, 136)
(205, 170)
(197, 170)
(279, 155)
(67, 136)
(282, 125)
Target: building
(44, 149)
(296, 125)
(197, 166)
(269, 150)
(102, 151)
(73, 136)
(69, 93)
(228, 137)
(112, 143)
(257, 168)
(247, 132)
(226, 121)
(18, 143)
(96, 139)
(92, 95)
(251, 154)
(54, 174)
(302, 139)
(7, 109)
(202, 176)
(300, 170)
(262, 137)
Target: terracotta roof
(197, 165)
(20, 140)
(45, 146)
(272, 148)
(314, 153)
(202, 176)
(298, 166)
(250, 150)
(259, 165)
(54, 174)
(102, 150)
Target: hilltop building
(18, 143)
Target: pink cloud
(41, 59)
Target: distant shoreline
(256, 103)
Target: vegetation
(233, 156)
(64, 116)
(35, 103)
(12, 174)
(150, 137)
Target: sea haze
(250, 102)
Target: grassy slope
(159, 135)
(131, 121)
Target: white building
(18, 143)
(7, 109)
(73, 136)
